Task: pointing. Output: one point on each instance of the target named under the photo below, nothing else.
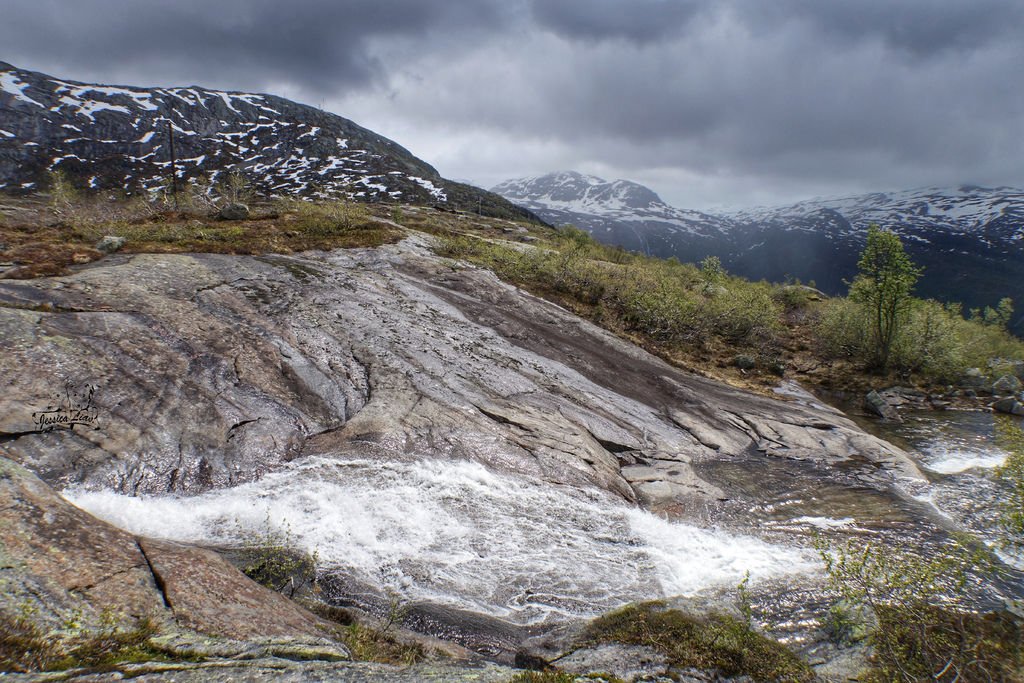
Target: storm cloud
(734, 102)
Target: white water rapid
(457, 534)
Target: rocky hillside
(107, 137)
(969, 240)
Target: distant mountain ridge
(117, 137)
(617, 212)
(970, 240)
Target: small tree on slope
(884, 284)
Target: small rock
(744, 361)
(1007, 384)
(879, 406)
(110, 243)
(1009, 405)
(234, 212)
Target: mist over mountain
(110, 137)
(969, 240)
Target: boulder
(1009, 405)
(1006, 385)
(974, 380)
(108, 244)
(876, 403)
(234, 212)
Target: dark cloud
(732, 97)
(640, 21)
(919, 27)
(320, 46)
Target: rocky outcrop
(207, 371)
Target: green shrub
(1010, 437)
(916, 617)
(839, 331)
(270, 556)
(712, 642)
(930, 342)
(327, 219)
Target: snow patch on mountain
(11, 84)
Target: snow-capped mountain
(990, 214)
(617, 212)
(970, 240)
(107, 137)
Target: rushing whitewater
(456, 534)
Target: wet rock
(59, 561)
(208, 371)
(284, 671)
(974, 380)
(1007, 384)
(627, 662)
(108, 244)
(60, 564)
(210, 596)
(877, 404)
(1010, 406)
(234, 212)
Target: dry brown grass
(41, 240)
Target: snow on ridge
(10, 84)
(437, 192)
(960, 209)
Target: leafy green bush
(916, 618)
(930, 342)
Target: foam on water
(953, 459)
(458, 534)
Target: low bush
(712, 642)
(271, 557)
(916, 617)
(1010, 437)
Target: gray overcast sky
(736, 102)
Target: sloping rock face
(207, 371)
(60, 565)
(110, 137)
